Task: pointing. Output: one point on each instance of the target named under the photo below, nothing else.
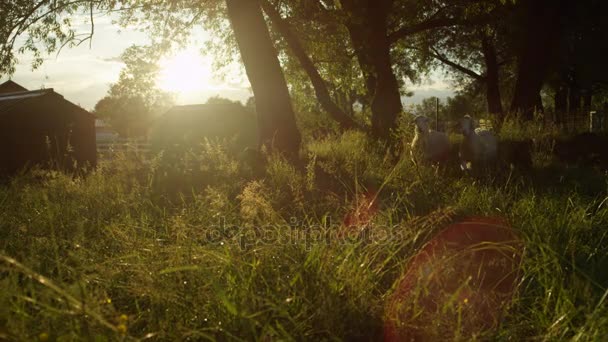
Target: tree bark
(276, 119)
(541, 29)
(492, 79)
(370, 17)
(386, 104)
(359, 38)
(319, 85)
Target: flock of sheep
(478, 149)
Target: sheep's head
(422, 123)
(467, 125)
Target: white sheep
(478, 147)
(432, 146)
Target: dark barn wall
(81, 135)
(47, 131)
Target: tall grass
(200, 248)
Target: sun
(187, 71)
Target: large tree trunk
(321, 91)
(276, 119)
(492, 79)
(541, 29)
(386, 104)
(369, 32)
(359, 37)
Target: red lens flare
(458, 285)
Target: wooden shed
(42, 128)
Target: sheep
(478, 147)
(433, 146)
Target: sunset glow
(185, 72)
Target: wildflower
(108, 301)
(123, 318)
(43, 336)
(466, 300)
(122, 328)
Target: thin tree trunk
(492, 79)
(321, 91)
(539, 43)
(276, 119)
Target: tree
(467, 42)
(463, 103)
(381, 32)
(471, 57)
(580, 75)
(222, 100)
(368, 24)
(319, 84)
(132, 102)
(276, 118)
(428, 107)
(539, 34)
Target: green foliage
(134, 101)
(184, 128)
(464, 103)
(453, 108)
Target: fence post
(437, 114)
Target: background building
(42, 128)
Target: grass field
(201, 249)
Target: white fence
(107, 149)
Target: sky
(84, 74)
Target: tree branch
(320, 86)
(435, 54)
(434, 23)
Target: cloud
(115, 59)
(423, 93)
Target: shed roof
(11, 99)
(11, 87)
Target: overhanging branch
(317, 81)
(435, 54)
(434, 23)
